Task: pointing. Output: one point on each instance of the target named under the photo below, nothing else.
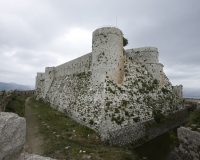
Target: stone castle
(112, 90)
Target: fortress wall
(142, 132)
(167, 83)
(133, 103)
(78, 65)
(156, 70)
(117, 93)
(78, 97)
(49, 76)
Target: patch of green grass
(64, 132)
(174, 139)
(17, 105)
(158, 116)
(195, 117)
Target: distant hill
(13, 86)
(191, 92)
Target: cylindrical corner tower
(107, 53)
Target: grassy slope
(60, 131)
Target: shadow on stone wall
(143, 132)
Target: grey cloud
(35, 31)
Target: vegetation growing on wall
(194, 120)
(174, 139)
(125, 42)
(141, 97)
(158, 116)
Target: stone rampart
(79, 65)
(117, 90)
(28, 92)
(142, 132)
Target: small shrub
(155, 81)
(125, 42)
(174, 139)
(108, 103)
(124, 103)
(116, 110)
(136, 119)
(91, 122)
(111, 91)
(158, 116)
(165, 90)
(126, 113)
(195, 117)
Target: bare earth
(34, 140)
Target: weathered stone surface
(5, 97)
(189, 148)
(26, 156)
(111, 90)
(12, 133)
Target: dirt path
(34, 140)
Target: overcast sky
(35, 34)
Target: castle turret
(179, 90)
(149, 57)
(144, 54)
(49, 76)
(107, 54)
(40, 77)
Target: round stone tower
(107, 54)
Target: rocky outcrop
(13, 133)
(189, 148)
(13, 137)
(27, 156)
